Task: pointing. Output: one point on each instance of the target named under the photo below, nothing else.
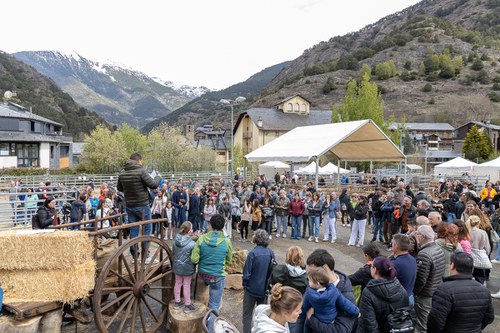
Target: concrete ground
(348, 260)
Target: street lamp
(231, 104)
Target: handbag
(481, 259)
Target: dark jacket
(255, 273)
(362, 276)
(181, 261)
(344, 322)
(406, 267)
(360, 212)
(295, 277)
(194, 204)
(134, 182)
(460, 305)
(430, 269)
(375, 301)
(78, 210)
(44, 217)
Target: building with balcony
(207, 136)
(491, 130)
(29, 140)
(258, 126)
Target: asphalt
(347, 259)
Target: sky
(212, 43)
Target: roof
(7, 111)
(481, 124)
(424, 126)
(277, 120)
(492, 163)
(217, 143)
(442, 154)
(290, 97)
(360, 140)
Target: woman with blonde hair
(284, 308)
(480, 250)
(292, 273)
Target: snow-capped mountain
(115, 92)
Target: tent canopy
(457, 162)
(310, 169)
(276, 165)
(360, 140)
(330, 168)
(414, 167)
(490, 169)
(492, 163)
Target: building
(428, 136)
(258, 126)
(492, 131)
(207, 136)
(29, 140)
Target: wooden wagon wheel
(141, 288)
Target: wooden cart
(131, 292)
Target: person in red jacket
(296, 209)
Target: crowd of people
(435, 245)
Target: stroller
(221, 324)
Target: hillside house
(492, 131)
(29, 140)
(207, 136)
(258, 126)
(428, 136)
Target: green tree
(365, 69)
(476, 144)
(362, 101)
(104, 151)
(385, 70)
(133, 139)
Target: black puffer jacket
(375, 304)
(430, 269)
(134, 182)
(460, 305)
(44, 217)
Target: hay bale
(24, 250)
(55, 285)
(237, 263)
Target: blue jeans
(281, 220)
(216, 289)
(314, 226)
(377, 228)
(135, 215)
(497, 257)
(296, 221)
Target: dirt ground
(348, 259)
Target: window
(51, 152)
(4, 149)
(289, 107)
(27, 154)
(296, 107)
(32, 124)
(303, 108)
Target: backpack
(401, 320)
(35, 220)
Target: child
(182, 266)
(169, 223)
(325, 298)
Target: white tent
(330, 168)
(270, 168)
(490, 169)
(456, 166)
(360, 140)
(310, 169)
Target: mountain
(118, 94)
(206, 109)
(434, 61)
(45, 97)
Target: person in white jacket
(284, 308)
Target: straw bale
(57, 250)
(60, 285)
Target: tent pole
(406, 181)
(338, 171)
(317, 171)
(244, 169)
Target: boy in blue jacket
(325, 299)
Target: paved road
(348, 260)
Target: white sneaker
(277, 235)
(497, 295)
(357, 245)
(350, 244)
(495, 261)
(333, 241)
(270, 237)
(284, 235)
(310, 238)
(316, 240)
(148, 260)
